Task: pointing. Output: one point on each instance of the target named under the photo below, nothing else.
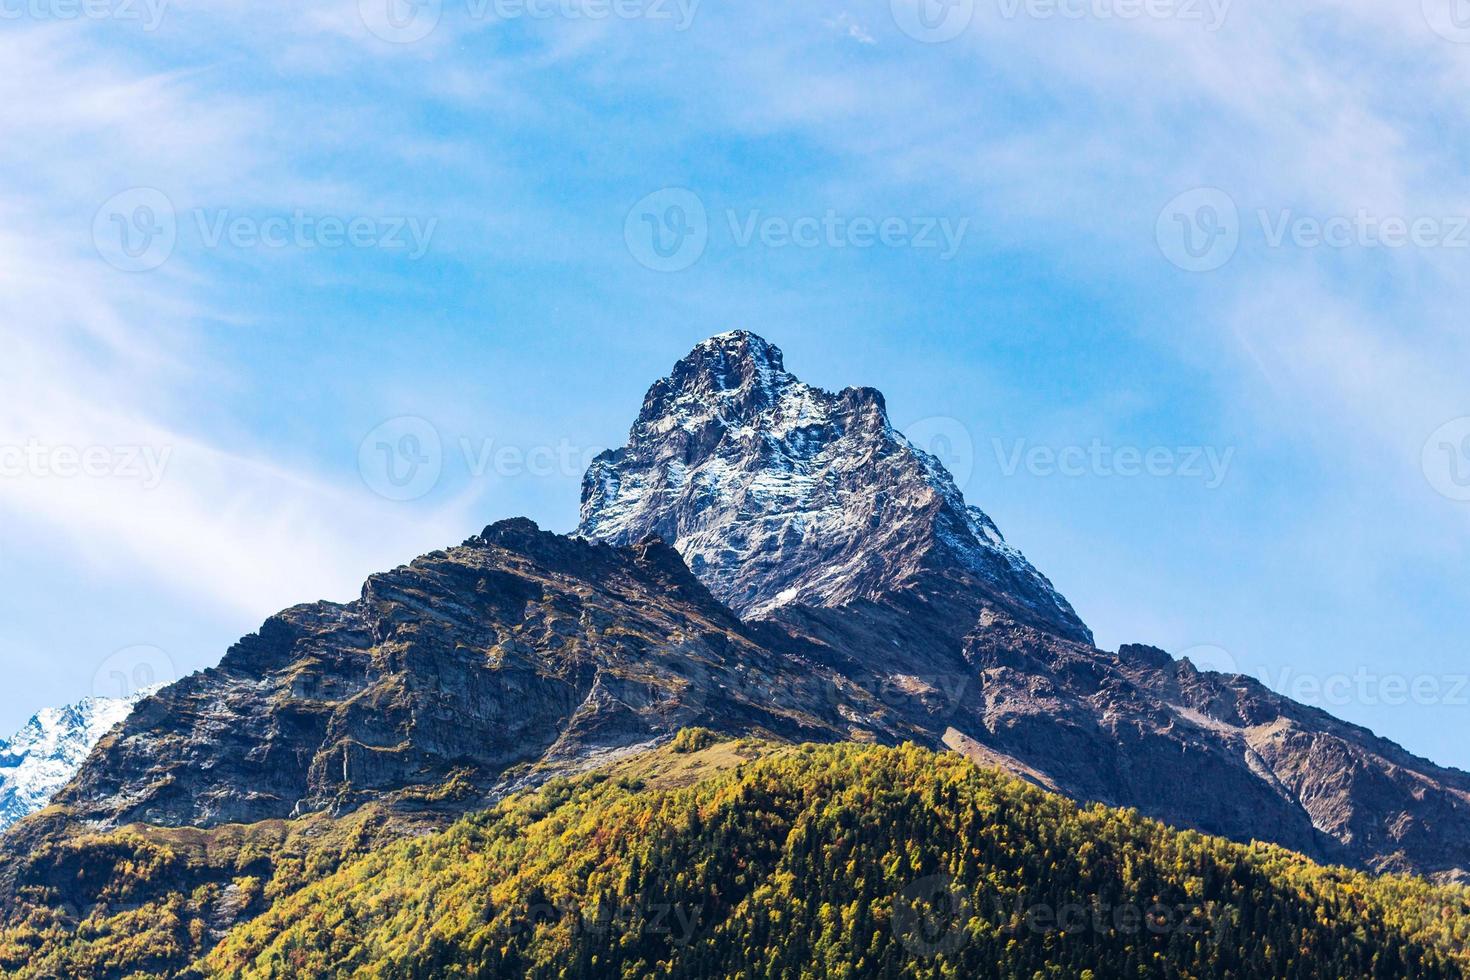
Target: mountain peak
(779, 493)
(737, 372)
(740, 346)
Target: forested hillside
(842, 861)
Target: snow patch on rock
(777, 492)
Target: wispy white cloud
(103, 360)
(1064, 138)
(847, 27)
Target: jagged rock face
(807, 510)
(777, 493)
(518, 648)
(44, 755)
(877, 607)
(1373, 803)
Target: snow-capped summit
(776, 493)
(43, 756)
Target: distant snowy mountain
(40, 758)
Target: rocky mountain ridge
(806, 510)
(874, 605)
(518, 655)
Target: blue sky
(499, 169)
